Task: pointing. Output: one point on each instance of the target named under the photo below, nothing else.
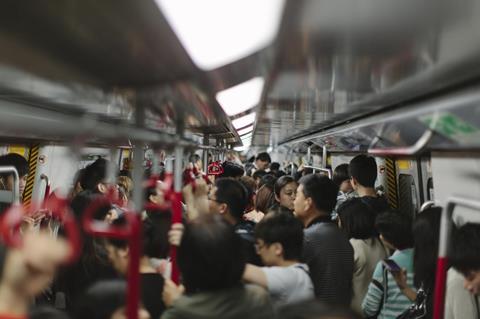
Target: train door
(409, 181)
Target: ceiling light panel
(219, 32)
(241, 97)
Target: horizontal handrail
(316, 168)
(407, 150)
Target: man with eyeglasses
(229, 198)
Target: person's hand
(31, 221)
(400, 278)
(175, 234)
(30, 268)
(196, 198)
(254, 216)
(171, 292)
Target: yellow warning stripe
(32, 165)
(392, 195)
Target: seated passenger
(384, 298)
(212, 269)
(326, 249)
(341, 178)
(229, 198)
(463, 285)
(279, 243)
(106, 300)
(363, 172)
(154, 245)
(285, 189)
(358, 222)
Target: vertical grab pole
(442, 262)
(205, 153)
(324, 156)
(133, 277)
(176, 208)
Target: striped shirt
(329, 256)
(396, 302)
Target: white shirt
(288, 285)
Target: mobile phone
(391, 265)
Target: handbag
(418, 310)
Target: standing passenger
(356, 219)
(279, 243)
(262, 162)
(212, 268)
(285, 189)
(326, 249)
(7, 179)
(463, 285)
(229, 198)
(363, 173)
(384, 298)
(341, 178)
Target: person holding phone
(385, 298)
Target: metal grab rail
(16, 181)
(57, 207)
(407, 150)
(442, 261)
(47, 186)
(130, 232)
(315, 168)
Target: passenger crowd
(253, 243)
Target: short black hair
(231, 169)
(155, 229)
(357, 219)
(281, 183)
(268, 179)
(396, 228)
(465, 252)
(102, 299)
(17, 161)
(322, 191)
(94, 174)
(264, 157)
(275, 166)
(283, 228)
(209, 255)
(234, 194)
(259, 174)
(341, 174)
(364, 169)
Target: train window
(407, 194)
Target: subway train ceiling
(351, 75)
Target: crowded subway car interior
(198, 159)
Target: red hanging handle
(215, 168)
(131, 232)
(56, 207)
